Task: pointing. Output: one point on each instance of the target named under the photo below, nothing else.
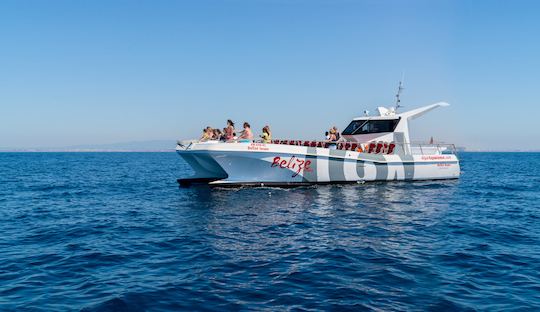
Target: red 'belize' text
(294, 164)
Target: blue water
(112, 231)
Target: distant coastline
(133, 146)
(498, 151)
(83, 151)
(172, 149)
(154, 146)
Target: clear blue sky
(96, 72)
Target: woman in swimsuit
(247, 134)
(229, 130)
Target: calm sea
(112, 231)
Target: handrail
(440, 148)
(406, 148)
(399, 148)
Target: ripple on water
(112, 231)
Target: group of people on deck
(229, 134)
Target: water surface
(112, 231)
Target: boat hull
(285, 165)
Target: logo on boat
(294, 164)
(436, 157)
(257, 147)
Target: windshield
(370, 126)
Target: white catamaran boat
(371, 148)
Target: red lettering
(291, 161)
(297, 165)
(300, 164)
(308, 163)
(276, 161)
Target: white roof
(376, 118)
(389, 114)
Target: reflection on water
(311, 218)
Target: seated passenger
(327, 136)
(217, 134)
(333, 136)
(266, 135)
(224, 135)
(246, 134)
(229, 131)
(207, 134)
(336, 131)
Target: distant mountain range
(134, 146)
(157, 146)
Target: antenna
(400, 88)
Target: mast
(400, 89)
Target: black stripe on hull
(300, 184)
(193, 181)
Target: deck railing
(374, 147)
(428, 148)
(378, 147)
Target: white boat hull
(277, 164)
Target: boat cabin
(388, 126)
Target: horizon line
(23, 150)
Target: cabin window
(370, 126)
